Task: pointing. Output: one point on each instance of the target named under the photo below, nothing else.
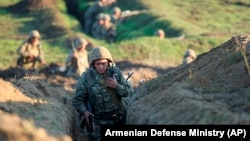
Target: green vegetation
(205, 24)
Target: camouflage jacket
(94, 10)
(26, 49)
(81, 62)
(97, 31)
(91, 87)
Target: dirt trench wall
(214, 89)
(33, 110)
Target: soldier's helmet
(100, 16)
(116, 10)
(100, 53)
(107, 17)
(160, 33)
(34, 33)
(80, 41)
(190, 53)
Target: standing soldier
(77, 60)
(30, 51)
(98, 93)
(189, 56)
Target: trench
(72, 9)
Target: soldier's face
(101, 65)
(34, 40)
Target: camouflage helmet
(100, 53)
(100, 16)
(106, 17)
(80, 41)
(160, 33)
(190, 53)
(34, 33)
(116, 10)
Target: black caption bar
(163, 132)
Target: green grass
(206, 24)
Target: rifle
(83, 122)
(128, 13)
(91, 126)
(73, 47)
(37, 58)
(129, 75)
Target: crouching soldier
(30, 52)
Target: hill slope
(214, 89)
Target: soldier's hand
(74, 54)
(43, 63)
(32, 57)
(111, 82)
(86, 116)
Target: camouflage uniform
(116, 15)
(105, 31)
(27, 49)
(189, 56)
(91, 88)
(91, 14)
(109, 29)
(96, 30)
(79, 63)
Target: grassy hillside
(205, 24)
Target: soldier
(160, 33)
(30, 51)
(109, 29)
(104, 30)
(118, 16)
(98, 93)
(77, 60)
(96, 30)
(92, 12)
(189, 56)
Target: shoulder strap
(121, 107)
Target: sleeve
(79, 99)
(96, 31)
(123, 87)
(69, 58)
(22, 50)
(41, 53)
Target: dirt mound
(50, 21)
(31, 5)
(214, 89)
(35, 110)
(25, 131)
